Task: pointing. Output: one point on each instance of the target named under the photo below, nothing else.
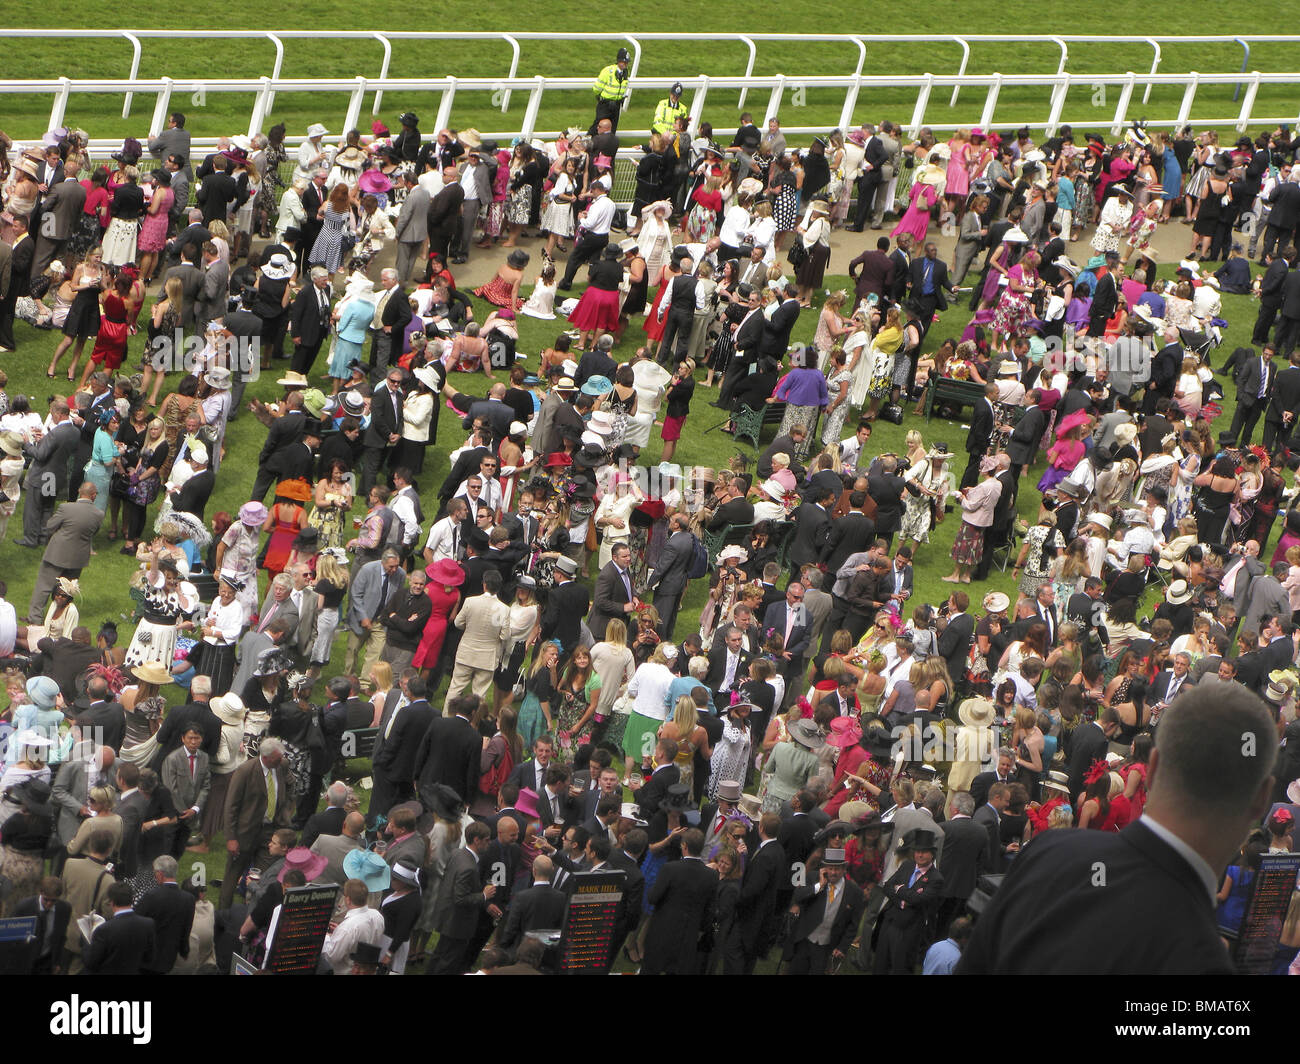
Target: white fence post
(697, 103)
(514, 69)
(443, 121)
(1155, 65)
(161, 108)
(1059, 93)
(354, 105)
(383, 68)
(1125, 95)
(632, 70)
(534, 105)
(261, 108)
(990, 102)
(774, 102)
(135, 71)
(749, 70)
(1248, 104)
(918, 112)
(1189, 95)
(961, 68)
(60, 104)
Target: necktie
(830, 895)
(1174, 684)
(916, 874)
(733, 659)
(269, 614)
(383, 595)
(270, 796)
(1263, 378)
(191, 766)
(927, 287)
(389, 730)
(627, 584)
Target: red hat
(558, 460)
(446, 573)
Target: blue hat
(369, 867)
(597, 386)
(43, 691)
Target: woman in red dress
(654, 328)
(285, 520)
(597, 310)
(445, 576)
(868, 760)
(110, 341)
(503, 289)
(1104, 806)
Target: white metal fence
(1056, 86)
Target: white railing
(862, 42)
(264, 89)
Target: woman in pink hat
(445, 578)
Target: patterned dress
(835, 419)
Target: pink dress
(916, 220)
(958, 169)
(435, 628)
(153, 227)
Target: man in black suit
(777, 329)
(913, 895)
(1288, 327)
(979, 435)
(929, 282)
(757, 921)
(874, 158)
(683, 901)
(283, 431)
(443, 219)
(1022, 444)
(614, 595)
(989, 817)
(449, 752)
(461, 900)
(677, 311)
(652, 792)
(850, 534)
(1172, 682)
(532, 773)
(965, 859)
(172, 911)
(1270, 293)
(886, 489)
(1154, 912)
(392, 315)
(309, 320)
(732, 507)
(1284, 403)
(102, 713)
(125, 944)
(1254, 393)
(1002, 772)
(46, 481)
(872, 271)
(596, 362)
(728, 664)
(627, 859)
(18, 282)
(827, 918)
(747, 340)
(1105, 295)
(385, 428)
(954, 641)
(313, 199)
(535, 908)
(329, 821)
(797, 835)
(566, 606)
(53, 915)
(901, 259)
(1283, 217)
(1088, 743)
(812, 526)
(668, 575)
(790, 445)
(401, 733)
(219, 193)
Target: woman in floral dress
(730, 759)
(332, 501)
(271, 188)
(930, 474)
(1141, 228)
(1015, 308)
(578, 691)
(166, 601)
(839, 382)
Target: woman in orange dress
(285, 520)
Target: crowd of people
(821, 763)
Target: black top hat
(920, 839)
(478, 539)
(365, 953)
(678, 798)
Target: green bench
(941, 390)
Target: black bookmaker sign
(300, 931)
(587, 938)
(1271, 917)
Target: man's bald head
(353, 825)
(543, 868)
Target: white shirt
(229, 621)
(404, 507)
(734, 224)
(357, 926)
(443, 539)
(600, 216)
(490, 496)
(468, 184)
(8, 627)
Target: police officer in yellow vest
(611, 90)
(668, 111)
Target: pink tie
(191, 766)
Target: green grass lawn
(220, 114)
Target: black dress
(1211, 509)
(82, 321)
(634, 301)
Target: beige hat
(470, 138)
(976, 712)
(996, 602)
(1178, 592)
(1101, 520)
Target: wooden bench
(954, 392)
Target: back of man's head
(1214, 754)
(353, 825)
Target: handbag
(892, 413)
(797, 255)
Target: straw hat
(1057, 781)
(350, 158)
(293, 379)
(1100, 520)
(996, 602)
(1178, 592)
(470, 138)
(152, 672)
(1015, 235)
(976, 713)
(316, 130)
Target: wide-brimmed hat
(976, 712)
(218, 377)
(374, 181)
(845, 732)
(1062, 262)
(1095, 262)
(1057, 781)
(229, 708)
(446, 573)
(131, 151)
(1178, 592)
(427, 376)
(313, 401)
(297, 490)
(353, 403)
(370, 868)
(1144, 312)
(316, 130)
(11, 443)
(1275, 693)
(996, 602)
(1121, 190)
(732, 550)
(279, 267)
(350, 158)
(1015, 235)
(407, 873)
(443, 802)
(303, 860)
(271, 661)
(807, 734)
(42, 691)
(470, 138)
(526, 803)
(1100, 519)
(34, 795)
(597, 385)
(152, 672)
(293, 379)
(235, 155)
(252, 513)
(774, 490)
(27, 166)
